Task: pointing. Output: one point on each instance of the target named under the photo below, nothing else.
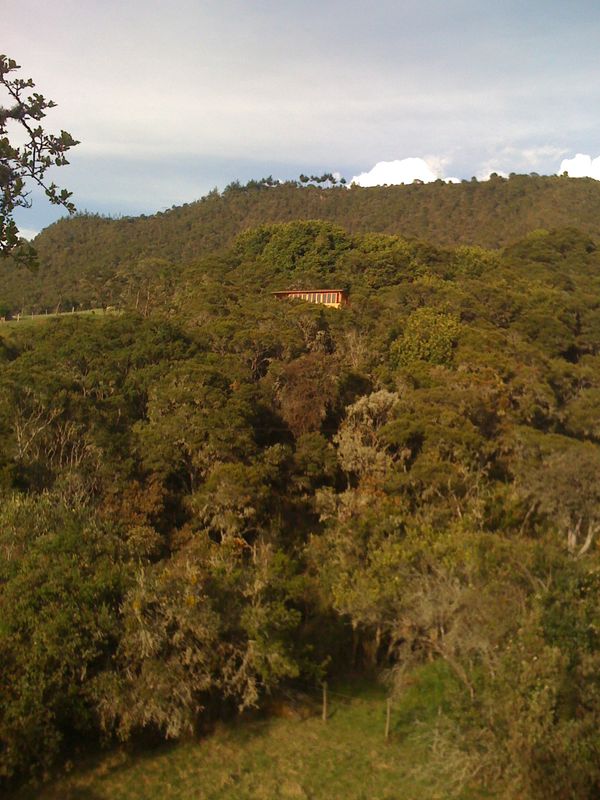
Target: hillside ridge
(79, 255)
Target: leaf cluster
(29, 161)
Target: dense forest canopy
(85, 260)
(217, 494)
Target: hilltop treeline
(221, 495)
(84, 260)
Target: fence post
(388, 714)
(324, 714)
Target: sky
(171, 99)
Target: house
(335, 298)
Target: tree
(565, 487)
(306, 389)
(361, 449)
(29, 161)
(429, 336)
(63, 574)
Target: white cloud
(405, 170)
(28, 233)
(486, 173)
(541, 154)
(510, 158)
(581, 166)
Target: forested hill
(224, 499)
(80, 257)
(230, 497)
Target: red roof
(309, 291)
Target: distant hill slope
(78, 256)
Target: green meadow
(289, 752)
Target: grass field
(291, 756)
(10, 327)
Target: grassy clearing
(36, 319)
(10, 327)
(291, 756)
